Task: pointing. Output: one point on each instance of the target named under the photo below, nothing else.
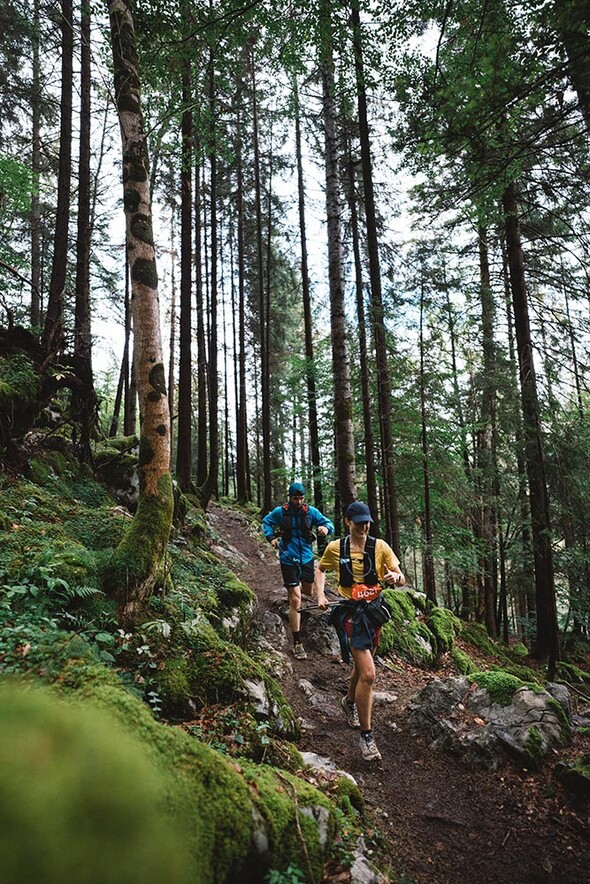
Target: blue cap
(296, 489)
(358, 512)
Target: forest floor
(435, 819)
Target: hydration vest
(287, 524)
(369, 570)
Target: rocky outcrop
(489, 724)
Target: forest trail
(439, 820)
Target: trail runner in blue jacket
(289, 528)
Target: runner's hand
(275, 542)
(322, 602)
(322, 530)
(394, 578)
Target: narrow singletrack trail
(439, 820)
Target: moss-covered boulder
(80, 800)
(208, 669)
(242, 818)
(490, 716)
(406, 635)
(575, 775)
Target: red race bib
(362, 592)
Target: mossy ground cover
(61, 629)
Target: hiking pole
(311, 607)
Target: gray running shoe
(299, 651)
(368, 748)
(352, 715)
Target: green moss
(404, 634)
(119, 443)
(463, 662)
(144, 272)
(141, 228)
(80, 801)
(19, 380)
(533, 749)
(500, 685)
(444, 626)
(476, 634)
(99, 529)
(559, 711)
(520, 650)
(573, 673)
(215, 797)
(118, 471)
(141, 550)
(348, 795)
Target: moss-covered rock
(116, 465)
(241, 817)
(463, 662)
(500, 685)
(444, 626)
(575, 775)
(208, 669)
(80, 800)
(405, 635)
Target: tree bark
(312, 409)
(184, 428)
(546, 643)
(202, 384)
(485, 447)
(243, 491)
(428, 561)
(344, 435)
(263, 310)
(211, 486)
(36, 173)
(53, 330)
(369, 437)
(376, 312)
(134, 567)
(84, 404)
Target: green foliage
(16, 186)
(291, 875)
(19, 380)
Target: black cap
(358, 512)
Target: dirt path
(441, 822)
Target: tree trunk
(135, 564)
(312, 409)
(242, 467)
(184, 428)
(202, 384)
(428, 561)
(344, 435)
(53, 330)
(485, 446)
(172, 347)
(376, 300)
(211, 487)
(36, 173)
(263, 300)
(84, 404)
(363, 356)
(547, 644)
